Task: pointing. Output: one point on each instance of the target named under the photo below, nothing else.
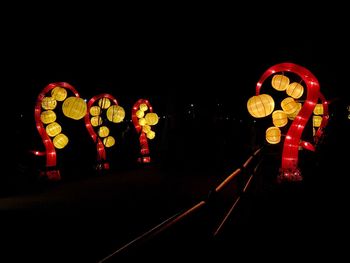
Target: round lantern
(146, 128)
(295, 90)
(96, 121)
(140, 113)
(295, 113)
(48, 103)
(143, 107)
(74, 108)
(151, 134)
(104, 103)
(48, 116)
(60, 141)
(280, 82)
(142, 121)
(273, 135)
(279, 118)
(59, 93)
(316, 121)
(115, 114)
(53, 129)
(151, 118)
(103, 131)
(289, 105)
(261, 105)
(318, 110)
(109, 141)
(95, 110)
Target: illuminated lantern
(95, 110)
(59, 93)
(151, 118)
(48, 103)
(146, 128)
(143, 107)
(289, 105)
(261, 105)
(316, 121)
(96, 121)
(273, 135)
(279, 118)
(142, 121)
(74, 108)
(115, 114)
(318, 110)
(103, 131)
(295, 90)
(140, 113)
(104, 103)
(109, 141)
(48, 116)
(53, 129)
(295, 113)
(151, 135)
(280, 82)
(60, 141)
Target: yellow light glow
(74, 108)
(103, 131)
(59, 93)
(95, 110)
(279, 118)
(48, 103)
(48, 116)
(280, 82)
(295, 90)
(273, 135)
(53, 129)
(151, 118)
(60, 141)
(289, 105)
(104, 103)
(109, 141)
(115, 114)
(261, 105)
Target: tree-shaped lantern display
(143, 119)
(102, 109)
(47, 124)
(262, 105)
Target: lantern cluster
(48, 117)
(103, 112)
(262, 105)
(317, 117)
(146, 120)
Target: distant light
(189, 112)
(192, 105)
(85, 100)
(163, 117)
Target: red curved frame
(289, 167)
(101, 151)
(51, 157)
(144, 148)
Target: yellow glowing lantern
(143, 107)
(295, 113)
(60, 141)
(318, 110)
(279, 118)
(273, 135)
(151, 118)
(103, 131)
(74, 108)
(280, 82)
(146, 128)
(48, 116)
(115, 114)
(289, 105)
(104, 103)
(140, 113)
(96, 121)
(109, 141)
(295, 90)
(151, 134)
(142, 121)
(261, 105)
(316, 121)
(95, 110)
(48, 103)
(59, 93)
(53, 129)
